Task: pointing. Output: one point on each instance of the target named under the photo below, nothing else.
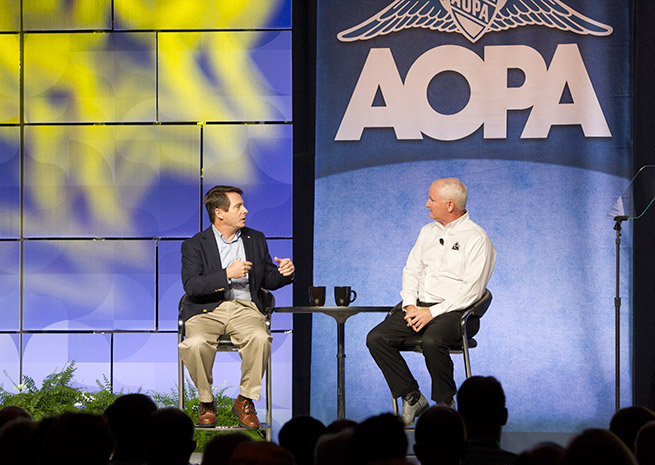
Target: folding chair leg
(269, 400)
(180, 380)
(467, 358)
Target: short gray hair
(455, 190)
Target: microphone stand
(617, 315)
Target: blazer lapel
(247, 245)
(214, 255)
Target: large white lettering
(408, 111)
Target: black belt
(425, 304)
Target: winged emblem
(473, 18)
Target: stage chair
(414, 343)
(225, 345)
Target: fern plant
(57, 396)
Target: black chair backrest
(268, 299)
(480, 307)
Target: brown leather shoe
(207, 415)
(245, 412)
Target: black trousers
(443, 331)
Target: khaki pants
(246, 326)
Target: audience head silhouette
(16, 439)
(481, 402)
(626, 423)
(219, 449)
(440, 437)
(76, 439)
(260, 453)
(331, 447)
(545, 453)
(340, 425)
(645, 444)
(299, 436)
(377, 438)
(12, 412)
(169, 437)
(597, 447)
(127, 417)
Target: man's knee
(435, 339)
(260, 338)
(374, 339)
(193, 344)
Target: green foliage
(58, 396)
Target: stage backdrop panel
(169, 284)
(225, 76)
(200, 14)
(81, 285)
(64, 14)
(115, 118)
(9, 285)
(111, 181)
(10, 161)
(535, 118)
(146, 362)
(10, 360)
(90, 77)
(9, 78)
(10, 17)
(44, 354)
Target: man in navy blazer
(223, 268)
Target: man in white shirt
(447, 271)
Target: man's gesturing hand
(417, 317)
(238, 269)
(285, 267)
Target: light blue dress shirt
(229, 252)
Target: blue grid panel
(282, 369)
(282, 248)
(90, 77)
(9, 182)
(224, 76)
(258, 159)
(9, 285)
(170, 288)
(9, 361)
(44, 354)
(111, 181)
(201, 14)
(146, 362)
(82, 285)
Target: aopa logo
(473, 18)
(406, 106)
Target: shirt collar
(220, 236)
(454, 224)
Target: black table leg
(341, 371)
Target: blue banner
(529, 103)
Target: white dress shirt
(449, 265)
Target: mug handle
(352, 291)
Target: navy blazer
(205, 280)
